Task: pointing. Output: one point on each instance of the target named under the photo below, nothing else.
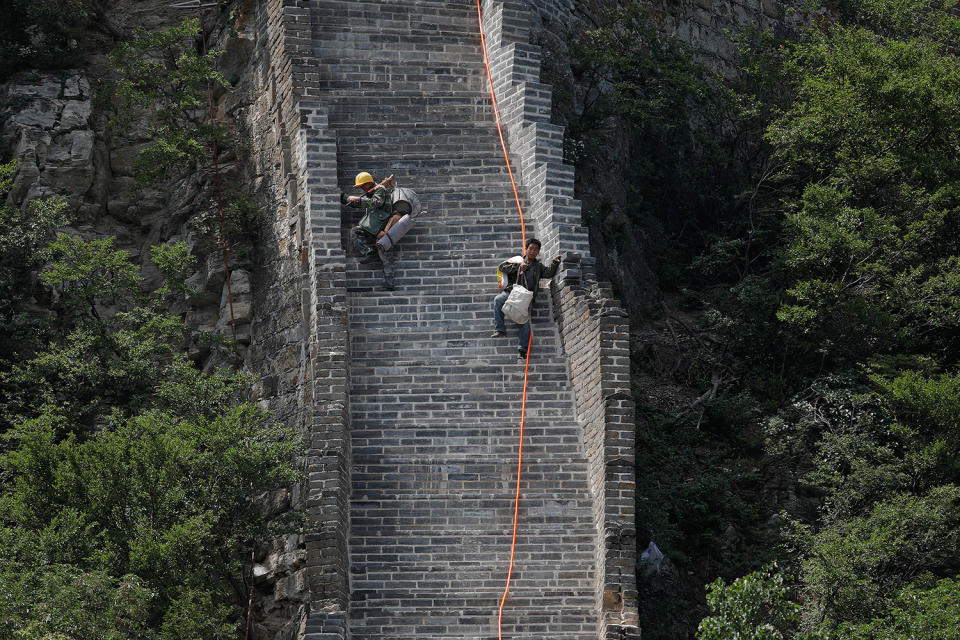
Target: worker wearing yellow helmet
(376, 202)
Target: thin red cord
(516, 501)
(223, 236)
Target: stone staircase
(434, 402)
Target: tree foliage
(37, 34)
(816, 228)
(861, 297)
(754, 607)
(169, 76)
(25, 235)
(869, 155)
(127, 475)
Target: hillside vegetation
(133, 479)
(803, 223)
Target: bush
(38, 34)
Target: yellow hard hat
(363, 178)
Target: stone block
(39, 112)
(76, 113)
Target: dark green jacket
(529, 278)
(378, 207)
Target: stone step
(485, 208)
(347, 83)
(541, 449)
(429, 65)
(466, 161)
(404, 127)
(420, 149)
(447, 216)
(385, 420)
(544, 444)
(469, 512)
(370, 418)
(372, 116)
(410, 36)
(445, 244)
(456, 574)
(442, 295)
(471, 374)
(473, 370)
(374, 108)
(363, 12)
(541, 354)
(460, 513)
(435, 402)
(505, 447)
(407, 100)
(484, 543)
(443, 172)
(464, 616)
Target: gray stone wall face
(706, 25)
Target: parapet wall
(593, 327)
(313, 300)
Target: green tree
(164, 75)
(847, 331)
(754, 607)
(930, 613)
(872, 182)
(128, 476)
(25, 235)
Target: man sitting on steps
(528, 273)
(377, 203)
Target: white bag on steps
(517, 305)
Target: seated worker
(378, 217)
(528, 274)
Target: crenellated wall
(593, 327)
(307, 228)
(307, 302)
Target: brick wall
(307, 231)
(593, 327)
(325, 303)
(309, 295)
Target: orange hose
(526, 367)
(516, 502)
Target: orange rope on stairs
(526, 366)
